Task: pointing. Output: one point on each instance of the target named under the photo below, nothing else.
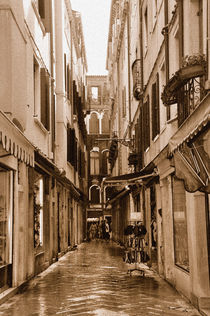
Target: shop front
(189, 149)
(6, 227)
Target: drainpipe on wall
(52, 82)
(129, 72)
(142, 78)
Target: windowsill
(172, 120)
(147, 150)
(39, 252)
(38, 17)
(39, 123)
(156, 138)
(162, 130)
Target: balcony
(186, 87)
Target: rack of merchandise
(135, 246)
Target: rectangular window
(45, 104)
(180, 224)
(155, 108)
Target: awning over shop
(192, 126)
(14, 141)
(44, 163)
(190, 148)
(130, 178)
(129, 182)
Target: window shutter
(65, 74)
(45, 110)
(44, 8)
(146, 124)
(75, 155)
(68, 144)
(158, 103)
(155, 108)
(68, 82)
(154, 118)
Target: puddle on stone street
(85, 282)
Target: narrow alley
(93, 280)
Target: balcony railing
(186, 87)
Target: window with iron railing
(187, 86)
(189, 96)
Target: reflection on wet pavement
(93, 280)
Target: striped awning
(14, 141)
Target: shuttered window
(155, 108)
(74, 98)
(45, 104)
(146, 124)
(43, 8)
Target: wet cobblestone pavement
(93, 280)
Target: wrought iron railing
(189, 96)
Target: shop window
(180, 224)
(6, 187)
(38, 210)
(94, 162)
(94, 124)
(95, 194)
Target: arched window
(104, 162)
(95, 194)
(94, 161)
(94, 124)
(105, 124)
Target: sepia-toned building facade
(158, 74)
(43, 137)
(98, 140)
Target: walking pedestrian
(107, 236)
